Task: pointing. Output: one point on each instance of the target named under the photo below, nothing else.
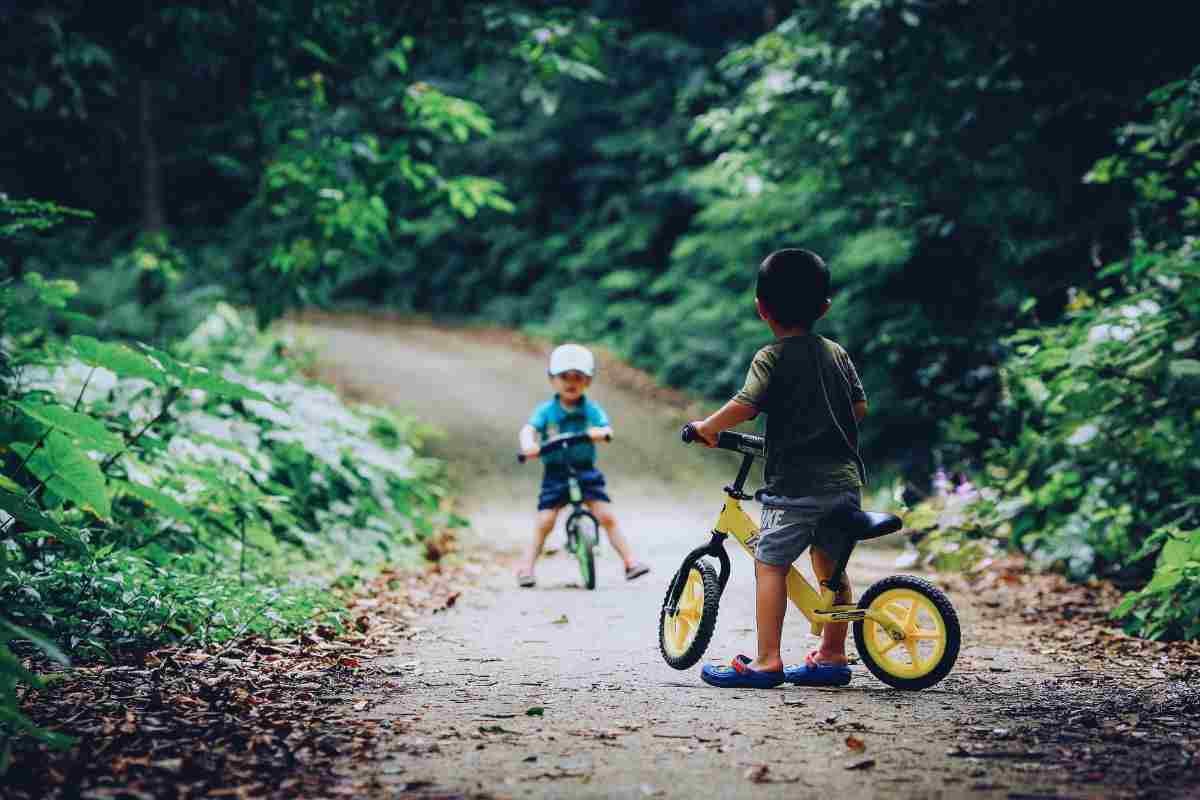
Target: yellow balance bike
(905, 628)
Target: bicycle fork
(714, 548)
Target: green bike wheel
(583, 532)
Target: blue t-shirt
(552, 419)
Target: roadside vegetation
(191, 496)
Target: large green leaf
(1185, 368)
(159, 501)
(118, 358)
(69, 473)
(191, 376)
(9, 631)
(200, 378)
(26, 513)
(83, 428)
(1164, 580)
(308, 45)
(54, 293)
(921, 518)
(1180, 549)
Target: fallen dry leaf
(758, 774)
(264, 704)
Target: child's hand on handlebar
(600, 434)
(704, 434)
(531, 452)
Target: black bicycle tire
(708, 619)
(585, 546)
(949, 619)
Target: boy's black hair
(793, 285)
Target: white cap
(568, 357)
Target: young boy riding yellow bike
(813, 398)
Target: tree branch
(171, 396)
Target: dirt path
(614, 719)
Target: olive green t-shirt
(807, 454)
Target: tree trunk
(153, 216)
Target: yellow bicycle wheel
(685, 631)
(931, 640)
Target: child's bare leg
(608, 521)
(542, 525)
(770, 605)
(833, 637)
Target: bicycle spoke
(891, 643)
(896, 618)
(922, 634)
(910, 619)
(911, 647)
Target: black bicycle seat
(865, 524)
(854, 521)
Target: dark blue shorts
(556, 494)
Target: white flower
(778, 81)
(1083, 434)
(1104, 332)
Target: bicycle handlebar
(729, 440)
(561, 443)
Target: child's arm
(528, 439)
(727, 416)
(599, 428)
(744, 405)
(858, 396)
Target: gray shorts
(790, 524)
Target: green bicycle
(582, 529)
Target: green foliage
(149, 288)
(12, 673)
(1100, 422)
(197, 493)
(241, 471)
(360, 148)
(1170, 603)
(307, 141)
(19, 217)
(872, 133)
(608, 173)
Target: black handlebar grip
(521, 458)
(608, 437)
(688, 434)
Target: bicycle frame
(817, 608)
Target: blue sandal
(738, 675)
(812, 674)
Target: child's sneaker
(636, 570)
(813, 674)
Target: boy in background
(571, 369)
